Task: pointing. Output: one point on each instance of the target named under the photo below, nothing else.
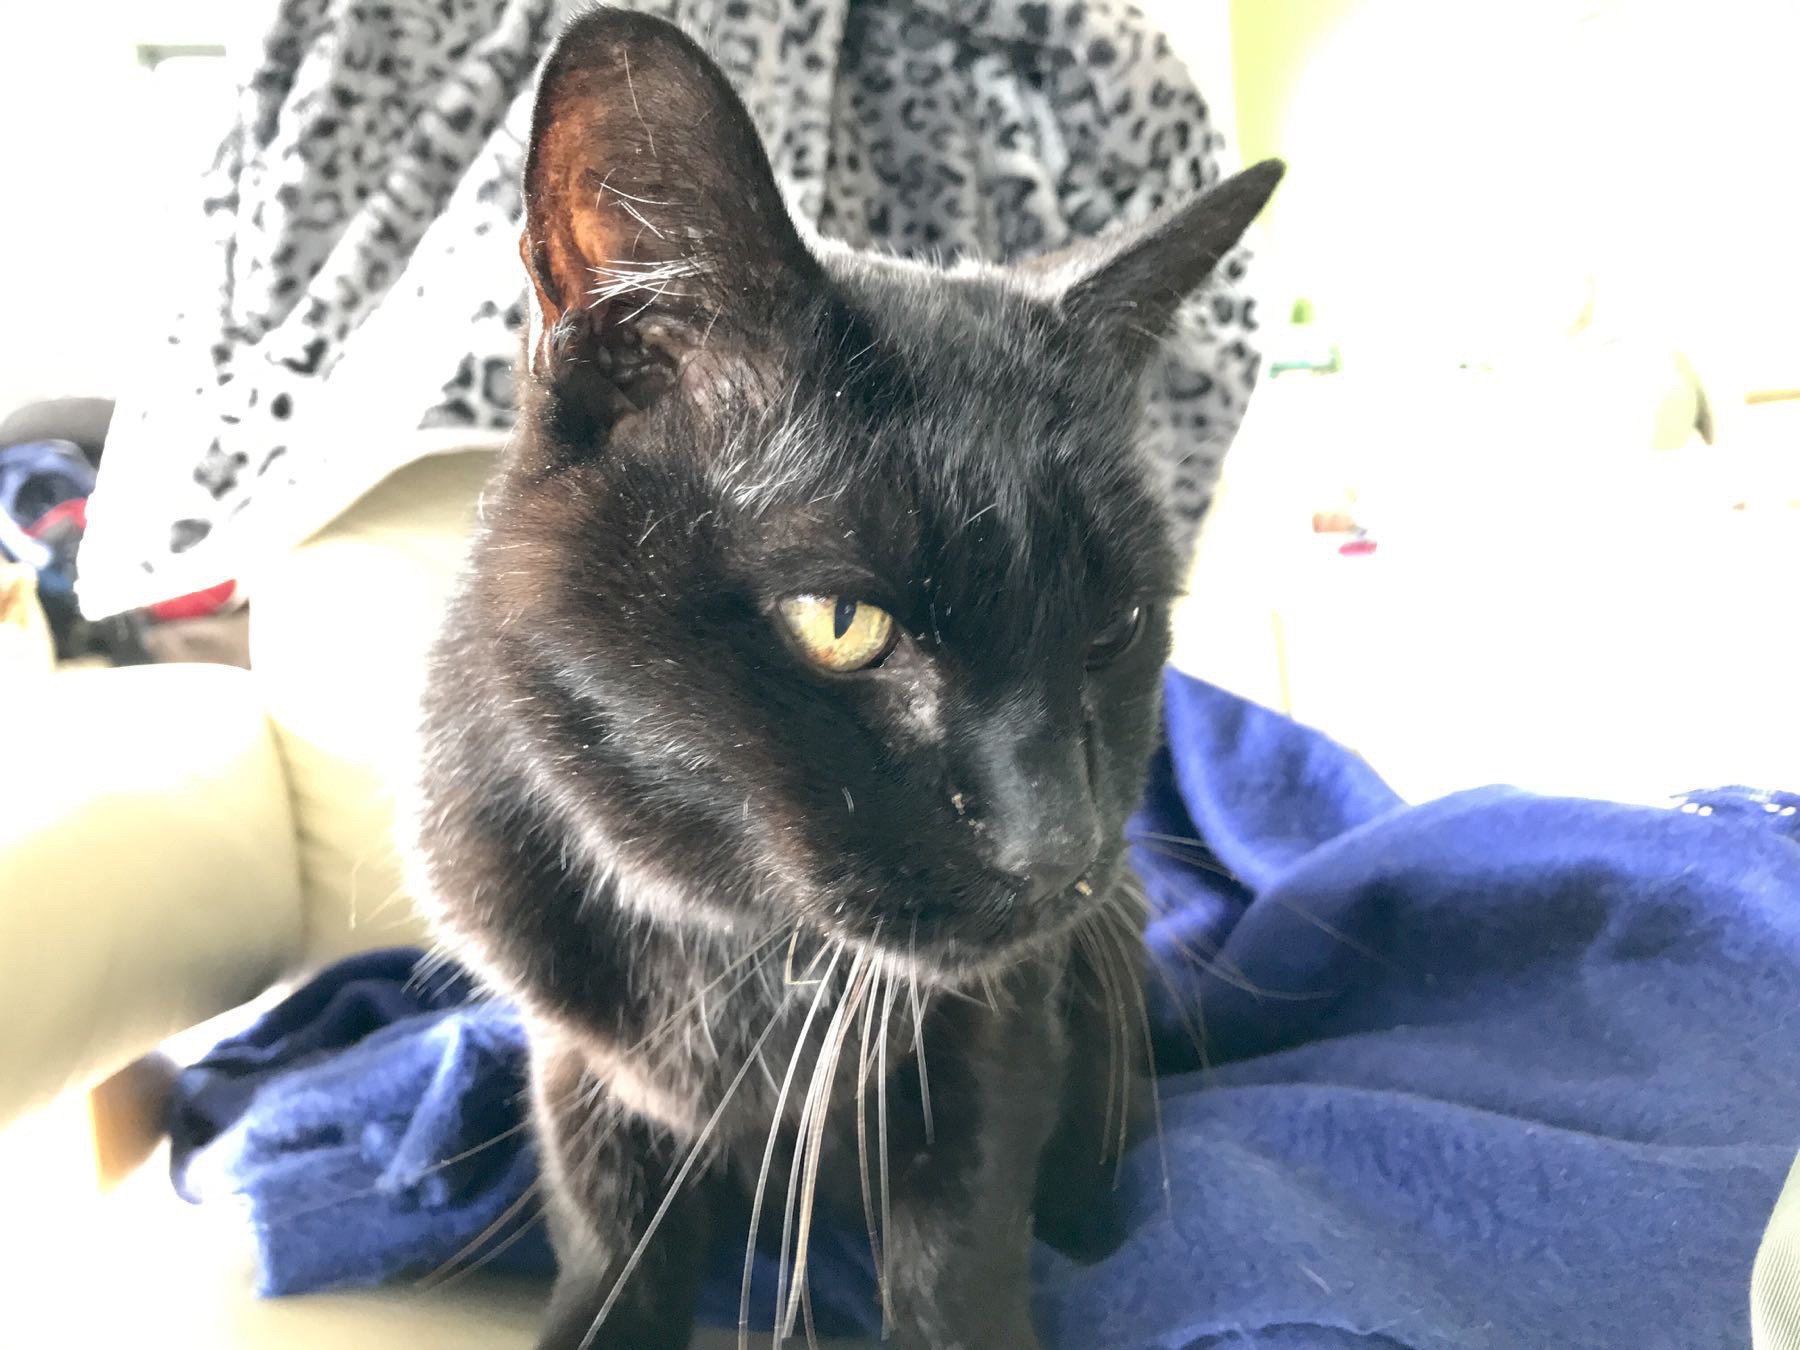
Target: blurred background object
(1595, 185)
(1544, 297)
(360, 222)
(26, 647)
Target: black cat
(782, 733)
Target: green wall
(1272, 43)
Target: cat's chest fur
(754, 1047)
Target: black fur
(698, 861)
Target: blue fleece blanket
(1499, 1070)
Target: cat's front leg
(1078, 1209)
(619, 1285)
(959, 1263)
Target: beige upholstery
(184, 1277)
(153, 1272)
(183, 836)
(338, 636)
(147, 865)
(174, 840)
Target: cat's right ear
(1129, 281)
(654, 230)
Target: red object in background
(72, 512)
(1357, 548)
(197, 605)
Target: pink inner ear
(539, 314)
(570, 227)
(656, 238)
(646, 180)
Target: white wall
(96, 153)
(1471, 173)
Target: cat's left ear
(653, 224)
(1131, 280)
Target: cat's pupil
(842, 616)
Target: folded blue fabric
(1498, 1070)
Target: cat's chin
(955, 960)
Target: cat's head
(826, 589)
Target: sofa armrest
(148, 877)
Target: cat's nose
(1033, 810)
(1047, 860)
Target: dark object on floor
(37, 475)
(56, 537)
(221, 639)
(1497, 1070)
(44, 486)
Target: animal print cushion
(363, 218)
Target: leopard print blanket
(363, 212)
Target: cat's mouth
(950, 940)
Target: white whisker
(637, 215)
(862, 1125)
(1118, 1068)
(447, 1272)
(812, 1138)
(918, 1021)
(694, 1154)
(625, 277)
(762, 1179)
(884, 1272)
(632, 85)
(1126, 937)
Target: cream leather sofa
(174, 841)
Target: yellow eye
(838, 633)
